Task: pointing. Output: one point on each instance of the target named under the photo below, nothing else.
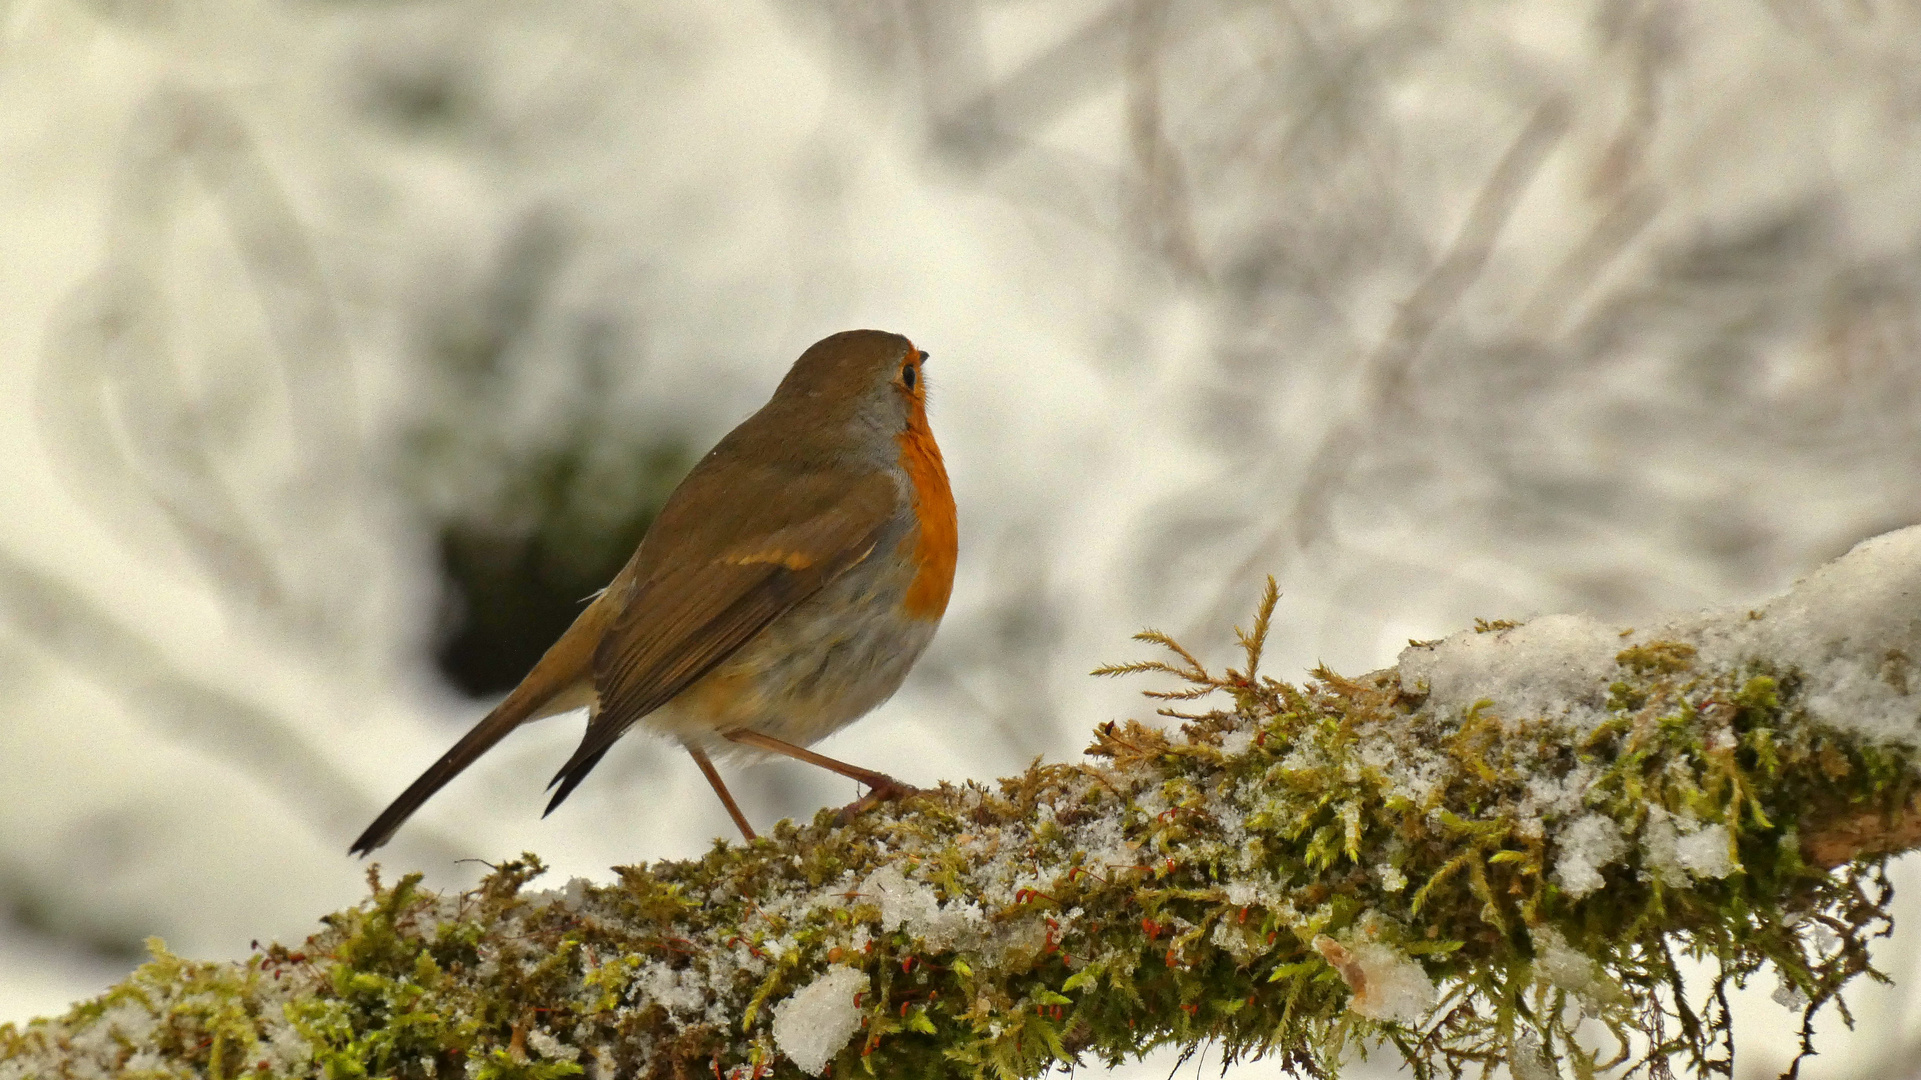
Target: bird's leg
(883, 787)
(726, 797)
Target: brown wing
(696, 591)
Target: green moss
(1204, 884)
(1657, 658)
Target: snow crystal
(1588, 844)
(1789, 996)
(1103, 841)
(1236, 743)
(811, 1026)
(1824, 940)
(915, 907)
(1231, 819)
(547, 1046)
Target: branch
(1458, 859)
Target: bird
(783, 591)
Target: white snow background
(1433, 311)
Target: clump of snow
(1413, 772)
(1240, 942)
(1563, 966)
(812, 1025)
(1265, 890)
(677, 991)
(1102, 842)
(1553, 667)
(1016, 940)
(915, 907)
(1236, 743)
(1588, 844)
(1676, 848)
(548, 1047)
(1386, 984)
(1852, 629)
(284, 1049)
(1789, 996)
(1223, 807)
(1558, 797)
(1397, 988)
(1526, 1061)
(125, 1023)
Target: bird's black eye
(908, 375)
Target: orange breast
(939, 540)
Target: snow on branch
(1499, 851)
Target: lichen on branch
(1385, 864)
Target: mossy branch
(1307, 872)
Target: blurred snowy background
(347, 345)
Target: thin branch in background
(1163, 214)
(1619, 226)
(1387, 370)
(312, 351)
(68, 626)
(1000, 665)
(1630, 196)
(114, 412)
(134, 439)
(1340, 73)
(140, 446)
(951, 64)
(1050, 84)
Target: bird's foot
(884, 789)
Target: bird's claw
(888, 790)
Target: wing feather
(698, 593)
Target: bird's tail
(561, 681)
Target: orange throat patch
(938, 542)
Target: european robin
(784, 590)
